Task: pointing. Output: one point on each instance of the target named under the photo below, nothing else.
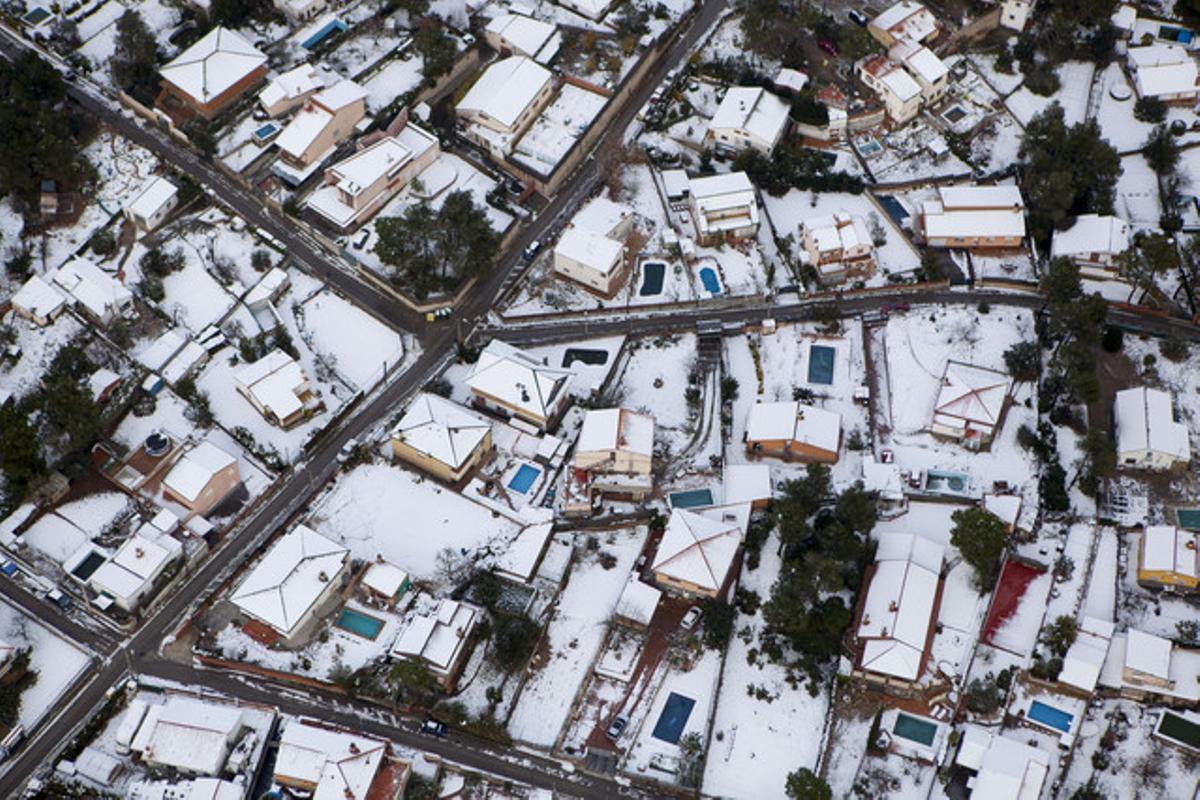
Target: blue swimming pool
(524, 477)
(673, 718)
(1050, 716)
(820, 364)
(708, 277)
(915, 729)
(266, 132)
(334, 26)
(653, 273)
(359, 623)
(692, 498)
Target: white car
(690, 618)
(347, 451)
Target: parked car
(8, 568)
(434, 727)
(898, 306)
(857, 17)
(828, 46)
(531, 251)
(59, 598)
(442, 313)
(616, 728)
(690, 618)
(347, 451)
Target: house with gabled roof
(1169, 557)
(1148, 435)
(290, 587)
(516, 34)
(503, 102)
(904, 21)
(696, 554)
(326, 763)
(327, 119)
(439, 640)
(970, 404)
(1095, 243)
(210, 76)
(974, 218)
(202, 478)
(791, 431)
(442, 438)
(291, 89)
(38, 301)
(748, 117)
(277, 388)
(1166, 72)
(514, 384)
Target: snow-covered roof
(386, 157)
(793, 79)
(883, 478)
(898, 609)
(1011, 770)
(752, 110)
(340, 764)
(97, 765)
(195, 469)
(441, 429)
(972, 394)
(518, 380)
(1007, 507)
(746, 483)
(527, 36)
(975, 211)
(137, 562)
(1155, 656)
(697, 549)
(1091, 233)
(1124, 18)
(1148, 654)
(1166, 548)
(38, 298)
(384, 578)
(188, 734)
(292, 85)
(97, 291)
(1001, 196)
(907, 20)
(156, 193)
(1084, 660)
(892, 76)
(722, 191)
(340, 95)
(1146, 421)
(837, 232)
(290, 578)
(521, 558)
(616, 429)
(438, 638)
(506, 89)
(214, 64)
(303, 130)
(273, 281)
(275, 381)
(790, 421)
(213, 789)
(601, 215)
(1162, 70)
(590, 248)
(161, 350)
(676, 182)
(922, 61)
(638, 600)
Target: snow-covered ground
(38, 346)
(57, 662)
(1137, 199)
(397, 77)
(653, 380)
(1075, 78)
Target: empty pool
(915, 729)
(945, 482)
(653, 273)
(820, 364)
(90, 563)
(523, 478)
(331, 28)
(692, 498)
(673, 718)
(1050, 716)
(593, 358)
(358, 623)
(708, 277)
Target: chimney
(354, 748)
(139, 552)
(323, 578)
(893, 607)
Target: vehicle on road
(439, 314)
(347, 452)
(59, 598)
(690, 618)
(857, 17)
(616, 728)
(8, 568)
(531, 251)
(433, 727)
(897, 306)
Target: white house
(95, 293)
(970, 404)
(1164, 71)
(1005, 769)
(838, 246)
(327, 119)
(1144, 666)
(696, 553)
(504, 101)
(1095, 242)
(38, 301)
(277, 388)
(211, 75)
(439, 640)
(929, 71)
(748, 117)
(897, 90)
(509, 382)
(291, 89)
(328, 764)
(592, 9)
(1014, 14)
(288, 588)
(152, 204)
(591, 259)
(788, 430)
(904, 20)
(1085, 658)
(301, 10)
(898, 613)
(188, 735)
(1148, 436)
(615, 440)
(130, 574)
(723, 207)
(974, 217)
(516, 34)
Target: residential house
(591, 259)
(129, 576)
(291, 89)
(592, 9)
(202, 478)
(974, 217)
(748, 117)
(883, 478)
(520, 560)
(152, 204)
(190, 736)
(894, 624)
(1169, 557)
(723, 207)
(1005, 507)
(1014, 14)
(1084, 659)
(268, 290)
(1005, 769)
(277, 388)
(1095, 243)
(329, 118)
(442, 438)
(439, 640)
(211, 75)
(897, 90)
(838, 247)
(358, 187)
(637, 604)
(103, 384)
(747, 483)
(696, 554)
(904, 20)
(38, 301)
(929, 71)
(970, 404)
(385, 582)
(790, 81)
(615, 451)
(516, 34)
(95, 294)
(1164, 71)
(791, 431)
(504, 102)
(326, 763)
(298, 11)
(513, 384)
(1124, 21)
(1142, 666)
(294, 584)
(1148, 436)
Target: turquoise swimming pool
(708, 277)
(692, 498)
(523, 478)
(915, 729)
(1050, 716)
(820, 364)
(334, 26)
(358, 623)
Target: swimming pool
(1189, 518)
(653, 273)
(820, 364)
(334, 26)
(708, 277)
(356, 622)
(915, 729)
(593, 358)
(868, 148)
(523, 478)
(266, 132)
(90, 563)
(673, 718)
(1184, 730)
(1050, 716)
(945, 482)
(691, 498)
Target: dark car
(434, 727)
(616, 728)
(857, 17)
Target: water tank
(157, 444)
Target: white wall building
(130, 574)
(157, 198)
(510, 382)
(291, 89)
(723, 207)
(516, 34)
(188, 735)
(970, 404)
(276, 386)
(748, 117)
(439, 640)
(1148, 436)
(95, 293)
(38, 301)
(1164, 71)
(504, 102)
(1095, 242)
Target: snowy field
(397, 77)
(38, 346)
(575, 635)
(653, 380)
(57, 662)
(1076, 82)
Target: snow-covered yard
(57, 662)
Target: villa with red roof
(971, 404)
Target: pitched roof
(1011, 770)
(195, 469)
(291, 85)
(898, 608)
(155, 194)
(38, 298)
(505, 89)
(617, 429)
(528, 36)
(1166, 548)
(974, 394)
(1091, 233)
(290, 578)
(212, 65)
(341, 764)
(1146, 421)
(512, 377)
(441, 429)
(697, 549)
(754, 110)
(1148, 654)
(590, 248)
(1163, 69)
